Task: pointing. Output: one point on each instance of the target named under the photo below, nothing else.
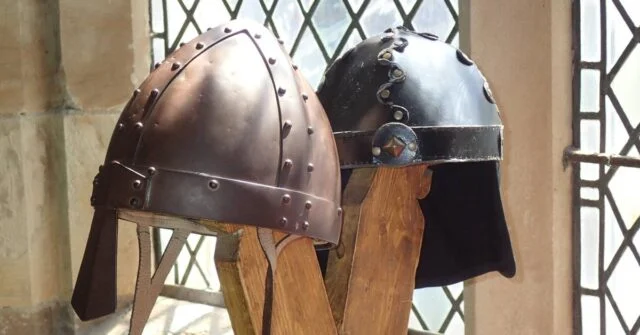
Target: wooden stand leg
(300, 303)
(370, 276)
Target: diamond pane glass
(607, 253)
(430, 18)
(315, 32)
(625, 188)
(632, 7)
(308, 57)
(612, 235)
(331, 19)
(288, 19)
(613, 324)
(625, 86)
(615, 132)
(379, 16)
(618, 35)
(433, 304)
(624, 287)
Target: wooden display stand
(300, 304)
(370, 275)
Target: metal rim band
(435, 145)
(200, 196)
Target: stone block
(14, 257)
(49, 319)
(45, 206)
(101, 66)
(30, 58)
(34, 254)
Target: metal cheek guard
(395, 144)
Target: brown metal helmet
(224, 129)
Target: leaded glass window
(606, 123)
(315, 32)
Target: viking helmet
(225, 129)
(403, 98)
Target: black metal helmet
(210, 135)
(403, 98)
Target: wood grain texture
(370, 276)
(300, 304)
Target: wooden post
(370, 277)
(300, 303)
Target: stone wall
(68, 67)
(524, 49)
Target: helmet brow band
(435, 145)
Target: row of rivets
(487, 93)
(287, 125)
(385, 93)
(286, 199)
(400, 44)
(464, 59)
(385, 57)
(429, 36)
(398, 115)
(387, 37)
(134, 202)
(395, 75)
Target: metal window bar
(410, 14)
(615, 319)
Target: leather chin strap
(271, 250)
